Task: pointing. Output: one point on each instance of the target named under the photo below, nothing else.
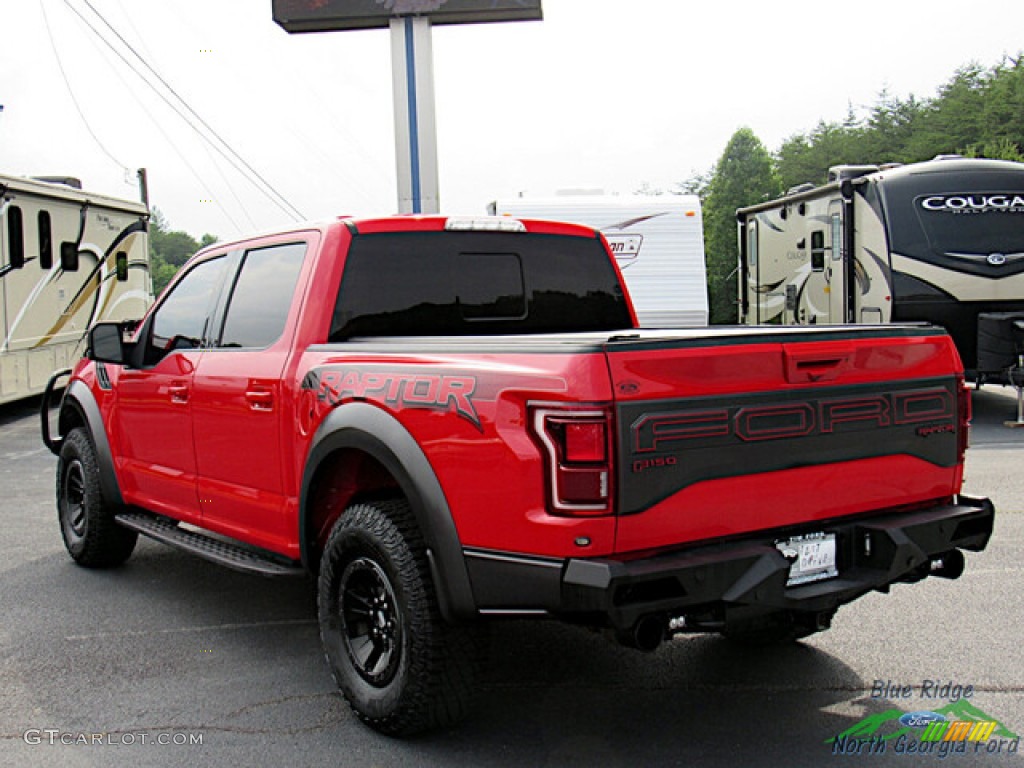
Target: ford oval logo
(921, 719)
(997, 259)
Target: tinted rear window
(476, 283)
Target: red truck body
(538, 453)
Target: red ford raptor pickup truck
(450, 420)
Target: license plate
(812, 557)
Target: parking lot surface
(173, 661)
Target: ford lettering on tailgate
(673, 444)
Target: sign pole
(415, 126)
(412, 64)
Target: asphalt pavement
(173, 661)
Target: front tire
(91, 535)
(400, 666)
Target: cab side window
(262, 296)
(182, 319)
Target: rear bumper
(754, 573)
(735, 576)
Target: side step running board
(217, 550)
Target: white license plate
(812, 557)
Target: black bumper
(752, 573)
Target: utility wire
(191, 111)
(224, 149)
(200, 179)
(71, 91)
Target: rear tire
(91, 535)
(400, 666)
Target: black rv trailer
(939, 242)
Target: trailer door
(4, 269)
(835, 268)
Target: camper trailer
(940, 241)
(658, 242)
(68, 259)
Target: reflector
(584, 441)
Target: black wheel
(400, 666)
(91, 535)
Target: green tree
(979, 112)
(890, 128)
(1004, 110)
(954, 119)
(697, 184)
(807, 157)
(744, 175)
(169, 249)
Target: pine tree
(743, 175)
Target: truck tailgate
(727, 431)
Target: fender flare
(375, 432)
(80, 398)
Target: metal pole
(415, 126)
(143, 186)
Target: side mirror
(106, 345)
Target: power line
(71, 91)
(195, 114)
(223, 148)
(200, 179)
(230, 155)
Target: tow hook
(949, 565)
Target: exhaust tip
(647, 635)
(649, 632)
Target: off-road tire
(92, 536)
(401, 667)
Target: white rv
(940, 241)
(68, 259)
(658, 242)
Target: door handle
(823, 362)
(260, 399)
(178, 393)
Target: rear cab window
(477, 283)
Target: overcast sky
(601, 94)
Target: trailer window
(957, 219)
(69, 256)
(15, 237)
(818, 250)
(121, 266)
(752, 244)
(984, 222)
(45, 241)
(837, 237)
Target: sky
(615, 96)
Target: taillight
(577, 459)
